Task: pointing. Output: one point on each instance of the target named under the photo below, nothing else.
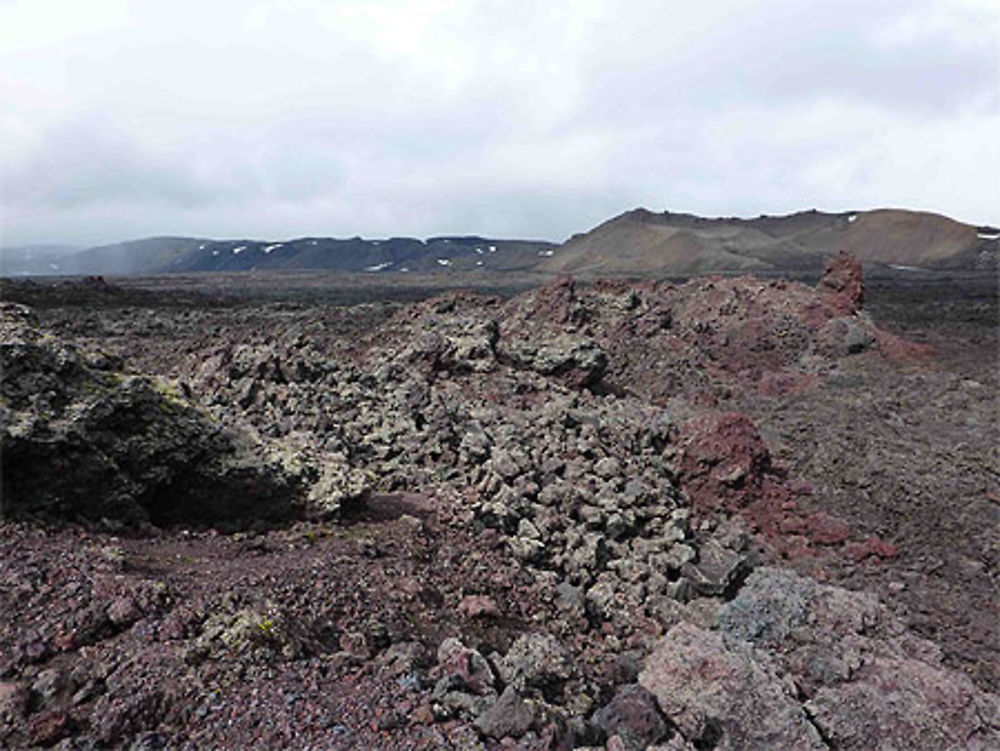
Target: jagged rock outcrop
(867, 681)
(843, 283)
(82, 440)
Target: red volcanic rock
(726, 468)
(901, 350)
(466, 664)
(478, 606)
(733, 698)
(775, 384)
(48, 727)
(873, 547)
(723, 461)
(843, 283)
(826, 529)
(13, 699)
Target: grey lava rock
(460, 344)
(716, 570)
(771, 605)
(872, 683)
(536, 660)
(510, 716)
(634, 716)
(571, 600)
(848, 335)
(576, 360)
(259, 634)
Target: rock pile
(546, 412)
(579, 482)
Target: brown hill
(640, 242)
(907, 237)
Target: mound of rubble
(546, 413)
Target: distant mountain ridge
(395, 254)
(156, 255)
(636, 243)
(33, 259)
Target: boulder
(723, 461)
(460, 344)
(871, 683)
(771, 605)
(464, 668)
(510, 716)
(904, 703)
(717, 569)
(633, 715)
(536, 660)
(725, 699)
(576, 360)
(845, 335)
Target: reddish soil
(909, 454)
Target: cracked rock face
(725, 698)
(869, 681)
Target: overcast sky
(537, 118)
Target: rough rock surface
(725, 698)
(797, 664)
(869, 681)
(535, 524)
(632, 715)
(843, 281)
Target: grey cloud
(520, 118)
(792, 53)
(934, 79)
(92, 161)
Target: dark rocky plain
(289, 511)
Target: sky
(273, 119)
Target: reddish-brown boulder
(843, 283)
